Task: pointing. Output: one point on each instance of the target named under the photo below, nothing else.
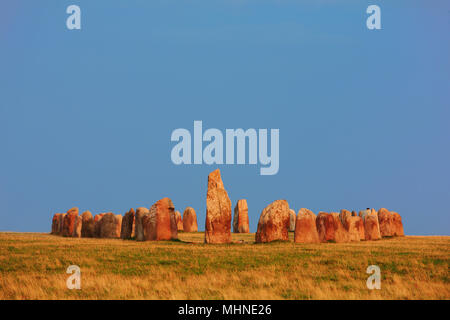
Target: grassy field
(33, 266)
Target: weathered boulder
(57, 223)
(160, 223)
(138, 220)
(330, 228)
(69, 222)
(179, 221)
(97, 224)
(398, 225)
(128, 225)
(274, 222)
(305, 227)
(110, 225)
(87, 228)
(240, 221)
(292, 219)
(352, 224)
(371, 225)
(386, 222)
(218, 211)
(77, 228)
(190, 220)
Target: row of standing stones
(162, 222)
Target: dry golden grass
(33, 266)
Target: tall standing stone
(398, 225)
(352, 224)
(128, 225)
(330, 228)
(97, 224)
(57, 223)
(292, 219)
(110, 225)
(69, 222)
(386, 222)
(240, 221)
(160, 223)
(78, 226)
(371, 225)
(305, 227)
(218, 211)
(179, 220)
(274, 222)
(190, 220)
(139, 227)
(88, 227)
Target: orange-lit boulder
(305, 227)
(57, 223)
(292, 219)
(128, 225)
(330, 228)
(179, 221)
(69, 222)
(141, 212)
(87, 228)
(371, 225)
(78, 226)
(218, 211)
(110, 225)
(398, 225)
(240, 220)
(160, 223)
(274, 222)
(190, 220)
(352, 224)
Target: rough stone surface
(139, 227)
(87, 228)
(160, 223)
(292, 219)
(240, 221)
(97, 224)
(110, 225)
(179, 221)
(305, 227)
(218, 211)
(69, 222)
(190, 220)
(127, 231)
(386, 221)
(78, 226)
(352, 224)
(57, 223)
(398, 225)
(330, 228)
(371, 225)
(274, 222)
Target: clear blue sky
(86, 115)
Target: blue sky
(86, 115)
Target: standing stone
(305, 227)
(398, 225)
(97, 224)
(292, 219)
(128, 225)
(190, 220)
(179, 221)
(88, 226)
(139, 228)
(386, 222)
(110, 225)
(218, 211)
(160, 223)
(56, 223)
(61, 223)
(371, 225)
(69, 222)
(78, 226)
(352, 224)
(330, 228)
(274, 222)
(240, 221)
